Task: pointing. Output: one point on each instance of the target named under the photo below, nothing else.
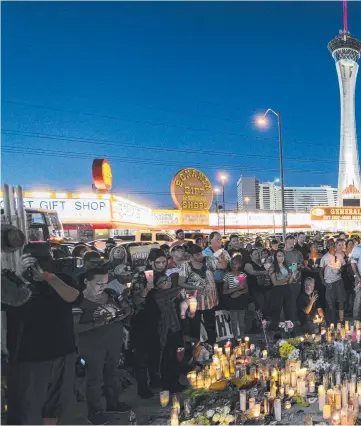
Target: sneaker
(121, 407)
(98, 418)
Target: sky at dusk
(157, 87)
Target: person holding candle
(330, 274)
(281, 295)
(356, 267)
(308, 306)
(235, 293)
(162, 322)
(198, 273)
(259, 285)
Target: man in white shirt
(331, 278)
(356, 267)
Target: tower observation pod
(346, 51)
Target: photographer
(41, 343)
(99, 330)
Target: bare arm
(355, 270)
(249, 270)
(67, 293)
(322, 275)
(276, 282)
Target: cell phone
(293, 267)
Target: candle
(302, 387)
(257, 410)
(311, 387)
(288, 405)
(274, 374)
(313, 336)
(215, 348)
(264, 354)
(293, 379)
(273, 390)
(164, 398)
(192, 305)
(344, 416)
(174, 420)
(326, 411)
(251, 403)
(330, 397)
(243, 400)
(291, 392)
(344, 395)
(321, 397)
(176, 404)
(358, 336)
(347, 326)
(314, 262)
(252, 348)
(266, 403)
(282, 392)
(277, 410)
(227, 351)
(246, 341)
(338, 398)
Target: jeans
(281, 297)
(357, 305)
(237, 322)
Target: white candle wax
(277, 410)
(243, 400)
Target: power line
(148, 122)
(92, 141)
(83, 156)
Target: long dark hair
(275, 261)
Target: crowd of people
(75, 314)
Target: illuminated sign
(73, 209)
(336, 213)
(102, 175)
(191, 190)
(129, 212)
(166, 217)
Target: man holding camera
(41, 344)
(100, 330)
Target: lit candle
(288, 405)
(326, 411)
(321, 397)
(192, 305)
(311, 386)
(338, 398)
(174, 420)
(330, 397)
(302, 387)
(257, 410)
(246, 341)
(192, 378)
(274, 374)
(264, 354)
(252, 348)
(243, 400)
(313, 336)
(251, 403)
(227, 351)
(347, 326)
(277, 410)
(282, 392)
(291, 392)
(215, 348)
(332, 326)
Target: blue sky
(156, 87)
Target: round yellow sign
(191, 190)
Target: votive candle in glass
(326, 411)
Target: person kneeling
(308, 307)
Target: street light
(223, 180)
(246, 201)
(262, 121)
(216, 191)
(274, 202)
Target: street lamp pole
(223, 179)
(246, 201)
(280, 141)
(274, 202)
(217, 204)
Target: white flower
(295, 354)
(281, 342)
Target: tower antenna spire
(345, 23)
